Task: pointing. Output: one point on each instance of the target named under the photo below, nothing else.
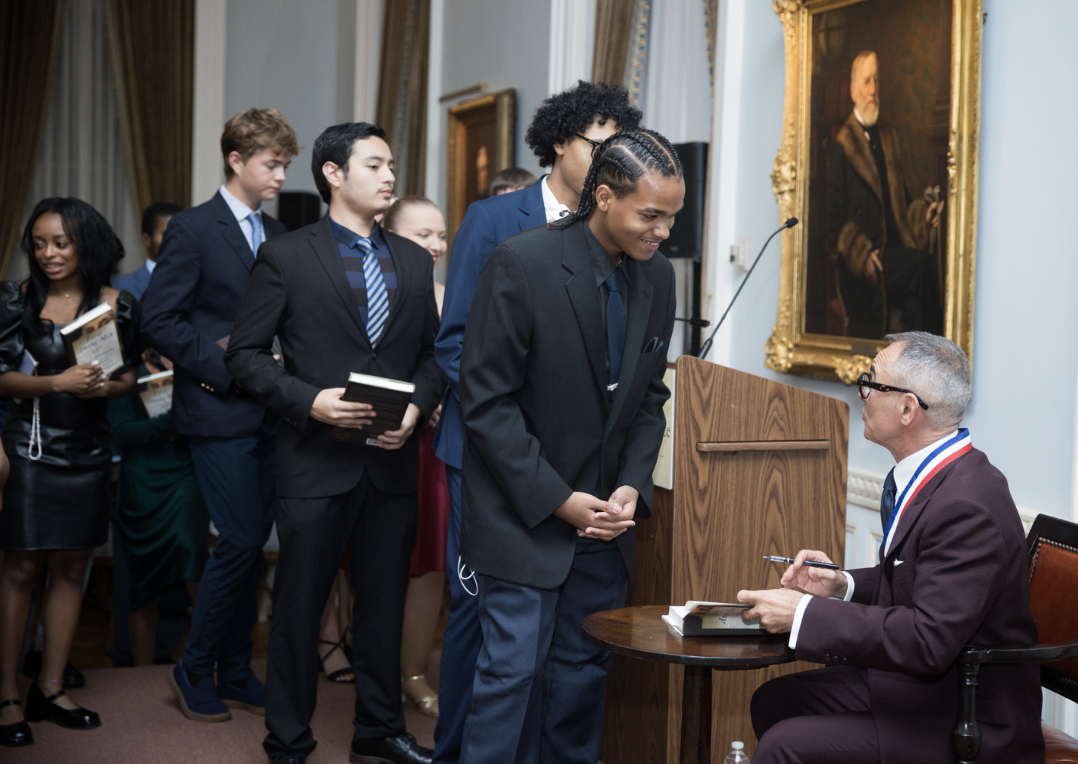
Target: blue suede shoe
(198, 700)
(247, 693)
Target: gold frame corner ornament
(790, 349)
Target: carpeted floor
(142, 724)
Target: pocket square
(897, 563)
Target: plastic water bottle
(737, 754)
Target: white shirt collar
(554, 209)
(150, 265)
(239, 209)
(904, 469)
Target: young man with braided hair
(562, 394)
(564, 133)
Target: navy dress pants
(460, 642)
(540, 685)
(235, 476)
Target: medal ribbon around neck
(946, 453)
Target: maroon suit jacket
(956, 573)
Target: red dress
(428, 554)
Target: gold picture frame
(480, 144)
(804, 340)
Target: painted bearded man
(881, 236)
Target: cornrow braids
(620, 162)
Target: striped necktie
(377, 297)
(258, 235)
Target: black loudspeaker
(687, 235)
(298, 208)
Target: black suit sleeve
(493, 367)
(169, 300)
(250, 349)
(646, 432)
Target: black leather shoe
(39, 707)
(17, 734)
(289, 758)
(399, 749)
(31, 667)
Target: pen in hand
(810, 563)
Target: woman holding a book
(61, 357)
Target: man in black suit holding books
(343, 296)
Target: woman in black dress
(55, 508)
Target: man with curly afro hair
(566, 130)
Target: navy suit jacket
(487, 224)
(134, 282)
(191, 302)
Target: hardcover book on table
(94, 336)
(712, 619)
(390, 399)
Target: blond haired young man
(191, 302)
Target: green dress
(163, 522)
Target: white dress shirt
(242, 213)
(555, 210)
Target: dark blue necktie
(887, 500)
(615, 326)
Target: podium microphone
(707, 345)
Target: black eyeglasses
(594, 144)
(865, 385)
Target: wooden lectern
(759, 468)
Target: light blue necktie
(377, 297)
(257, 234)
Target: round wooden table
(640, 632)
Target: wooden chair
(1053, 580)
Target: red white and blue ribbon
(940, 457)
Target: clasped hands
(775, 608)
(354, 415)
(594, 518)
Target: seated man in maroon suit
(952, 570)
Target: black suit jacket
(299, 292)
(190, 304)
(956, 573)
(533, 394)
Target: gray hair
(936, 369)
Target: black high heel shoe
(17, 734)
(39, 707)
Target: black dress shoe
(399, 749)
(14, 735)
(39, 707)
(31, 667)
(289, 758)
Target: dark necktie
(887, 500)
(615, 326)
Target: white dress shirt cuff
(799, 613)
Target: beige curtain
(402, 89)
(621, 42)
(152, 49)
(711, 29)
(613, 25)
(29, 39)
